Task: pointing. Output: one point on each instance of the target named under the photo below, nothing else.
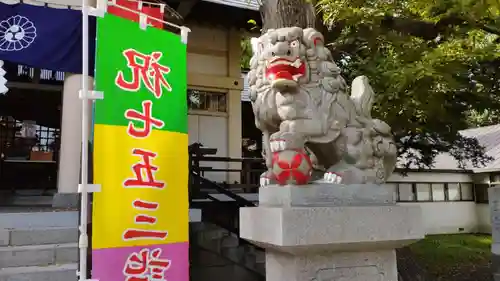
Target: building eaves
(76, 4)
(243, 4)
(57, 4)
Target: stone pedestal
(330, 232)
(494, 201)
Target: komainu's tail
(362, 95)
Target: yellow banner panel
(144, 196)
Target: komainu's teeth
(296, 77)
(297, 63)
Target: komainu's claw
(332, 177)
(267, 178)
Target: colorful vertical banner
(141, 215)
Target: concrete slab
(66, 272)
(19, 200)
(65, 200)
(4, 237)
(26, 256)
(194, 215)
(67, 253)
(38, 219)
(38, 255)
(42, 236)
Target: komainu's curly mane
(324, 84)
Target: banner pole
(83, 240)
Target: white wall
(483, 218)
(213, 64)
(448, 217)
(451, 217)
(211, 131)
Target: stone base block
(330, 232)
(300, 230)
(348, 266)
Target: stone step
(22, 200)
(212, 234)
(260, 256)
(65, 272)
(11, 220)
(234, 254)
(38, 236)
(38, 255)
(230, 241)
(261, 268)
(249, 261)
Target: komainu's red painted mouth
(285, 69)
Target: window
(438, 192)
(19, 138)
(454, 192)
(423, 192)
(481, 192)
(406, 192)
(495, 178)
(394, 188)
(467, 191)
(208, 101)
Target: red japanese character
(139, 234)
(146, 117)
(135, 234)
(147, 265)
(144, 167)
(148, 206)
(145, 69)
(145, 205)
(145, 219)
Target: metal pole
(83, 241)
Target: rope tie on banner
(102, 6)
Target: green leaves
(246, 53)
(434, 66)
(430, 64)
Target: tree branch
(428, 30)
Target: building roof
(488, 136)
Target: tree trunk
(289, 13)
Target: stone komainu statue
(299, 98)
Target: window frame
(206, 92)
(431, 192)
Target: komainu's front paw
(341, 174)
(280, 141)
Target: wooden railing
(202, 160)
